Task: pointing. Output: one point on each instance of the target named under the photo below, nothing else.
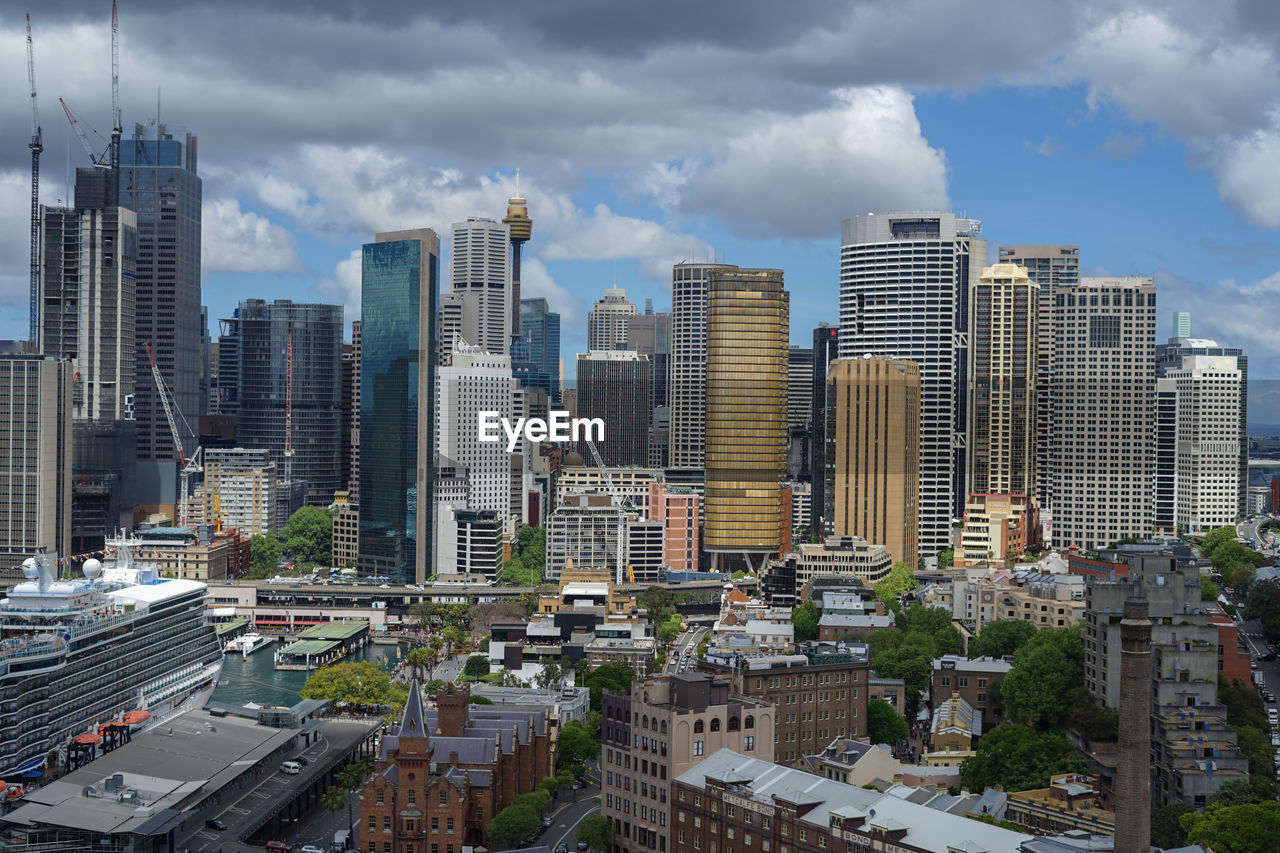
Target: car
(214, 823)
(548, 821)
(311, 848)
(278, 847)
(562, 848)
(582, 845)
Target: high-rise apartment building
(746, 416)
(1170, 355)
(1003, 331)
(240, 487)
(664, 727)
(876, 465)
(677, 508)
(904, 292)
(826, 349)
(688, 372)
(613, 385)
(1207, 448)
(583, 534)
(474, 382)
(399, 290)
(480, 273)
(607, 321)
(1050, 267)
(281, 343)
(35, 456)
(1104, 410)
(158, 182)
(354, 485)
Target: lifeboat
(86, 740)
(12, 792)
(133, 718)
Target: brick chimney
(452, 706)
(1133, 771)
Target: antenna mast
(36, 145)
(116, 129)
(288, 411)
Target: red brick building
(1233, 657)
(446, 772)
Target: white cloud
(1229, 326)
(1248, 175)
(15, 251)
(235, 240)
(345, 284)
(536, 280)
(798, 176)
(1045, 147)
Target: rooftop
(334, 630)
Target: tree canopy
(512, 825)
(1001, 637)
(308, 535)
(658, 603)
(476, 666)
(900, 579)
(353, 682)
(611, 677)
(884, 723)
(1250, 828)
(670, 628)
(596, 831)
(1263, 604)
(1020, 759)
(515, 573)
(1166, 831)
(264, 555)
(805, 619)
(1039, 688)
(577, 743)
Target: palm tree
(350, 779)
(419, 660)
(452, 637)
(333, 799)
(435, 644)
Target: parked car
(311, 848)
(548, 821)
(562, 848)
(278, 847)
(582, 845)
(216, 824)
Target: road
(687, 638)
(1251, 529)
(568, 818)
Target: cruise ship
(117, 645)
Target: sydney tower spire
(521, 230)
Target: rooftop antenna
(517, 181)
(117, 130)
(36, 145)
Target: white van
(293, 768)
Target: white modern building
(690, 294)
(476, 382)
(1207, 479)
(480, 272)
(905, 280)
(1102, 461)
(607, 322)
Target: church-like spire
(411, 722)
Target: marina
(326, 643)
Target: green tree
(1000, 638)
(611, 677)
(511, 825)
(333, 799)
(1208, 589)
(515, 573)
(596, 831)
(1241, 792)
(577, 743)
(1047, 671)
(912, 661)
(1090, 718)
(358, 683)
(595, 722)
(1020, 759)
(670, 628)
(531, 544)
(946, 558)
(420, 662)
(433, 686)
(264, 555)
(476, 666)
(308, 535)
(658, 603)
(884, 723)
(1216, 538)
(891, 587)
(480, 700)
(550, 673)
(1166, 831)
(805, 619)
(1252, 828)
(1263, 604)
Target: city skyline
(1135, 156)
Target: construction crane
(36, 145)
(288, 411)
(621, 506)
(116, 129)
(80, 134)
(189, 466)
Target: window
(748, 743)
(373, 822)
(444, 797)
(750, 722)
(715, 724)
(449, 825)
(412, 796)
(697, 747)
(379, 796)
(435, 824)
(733, 724)
(698, 728)
(386, 823)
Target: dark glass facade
(540, 337)
(400, 275)
(263, 330)
(614, 386)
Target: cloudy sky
(646, 134)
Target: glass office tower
(399, 295)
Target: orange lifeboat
(13, 792)
(133, 718)
(87, 739)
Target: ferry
(111, 651)
(247, 644)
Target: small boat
(247, 644)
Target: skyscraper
(877, 452)
(474, 382)
(1206, 454)
(688, 373)
(356, 359)
(480, 273)
(746, 416)
(826, 345)
(1104, 403)
(158, 182)
(521, 229)
(904, 293)
(1182, 324)
(613, 385)
(265, 330)
(1050, 267)
(35, 456)
(399, 290)
(607, 321)
(1003, 330)
(540, 340)
(799, 387)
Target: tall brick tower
(452, 704)
(1133, 772)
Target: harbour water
(255, 678)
